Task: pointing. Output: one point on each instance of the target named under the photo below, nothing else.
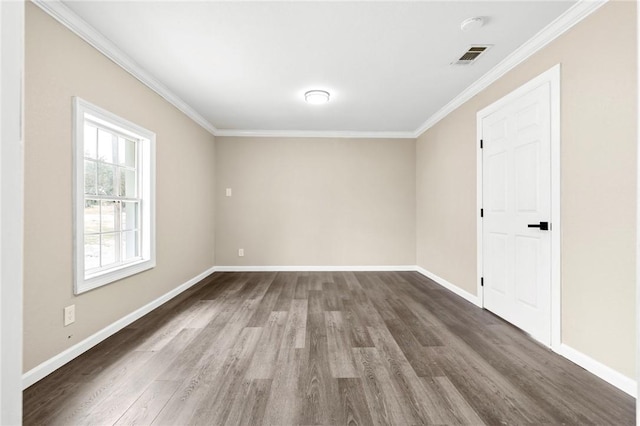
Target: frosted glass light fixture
(316, 97)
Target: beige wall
(335, 201)
(315, 201)
(58, 66)
(598, 161)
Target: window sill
(83, 285)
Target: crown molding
(314, 134)
(73, 22)
(555, 29)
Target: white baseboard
(315, 268)
(607, 374)
(52, 364)
(451, 287)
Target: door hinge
(481, 212)
(480, 143)
(481, 281)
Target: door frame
(638, 215)
(11, 199)
(551, 77)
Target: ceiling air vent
(471, 55)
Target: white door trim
(551, 77)
(638, 219)
(11, 217)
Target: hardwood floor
(322, 348)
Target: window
(114, 197)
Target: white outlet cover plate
(69, 315)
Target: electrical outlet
(69, 315)
(240, 252)
(228, 192)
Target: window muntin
(111, 198)
(114, 202)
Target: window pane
(90, 168)
(129, 216)
(90, 141)
(91, 217)
(105, 146)
(106, 174)
(91, 252)
(109, 215)
(126, 152)
(109, 246)
(130, 245)
(128, 183)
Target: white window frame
(146, 141)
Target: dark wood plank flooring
(325, 348)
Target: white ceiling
(244, 66)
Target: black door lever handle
(544, 226)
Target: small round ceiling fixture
(316, 97)
(471, 24)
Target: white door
(516, 191)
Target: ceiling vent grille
(471, 55)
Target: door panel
(526, 171)
(497, 178)
(526, 270)
(499, 269)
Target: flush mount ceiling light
(316, 97)
(471, 24)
